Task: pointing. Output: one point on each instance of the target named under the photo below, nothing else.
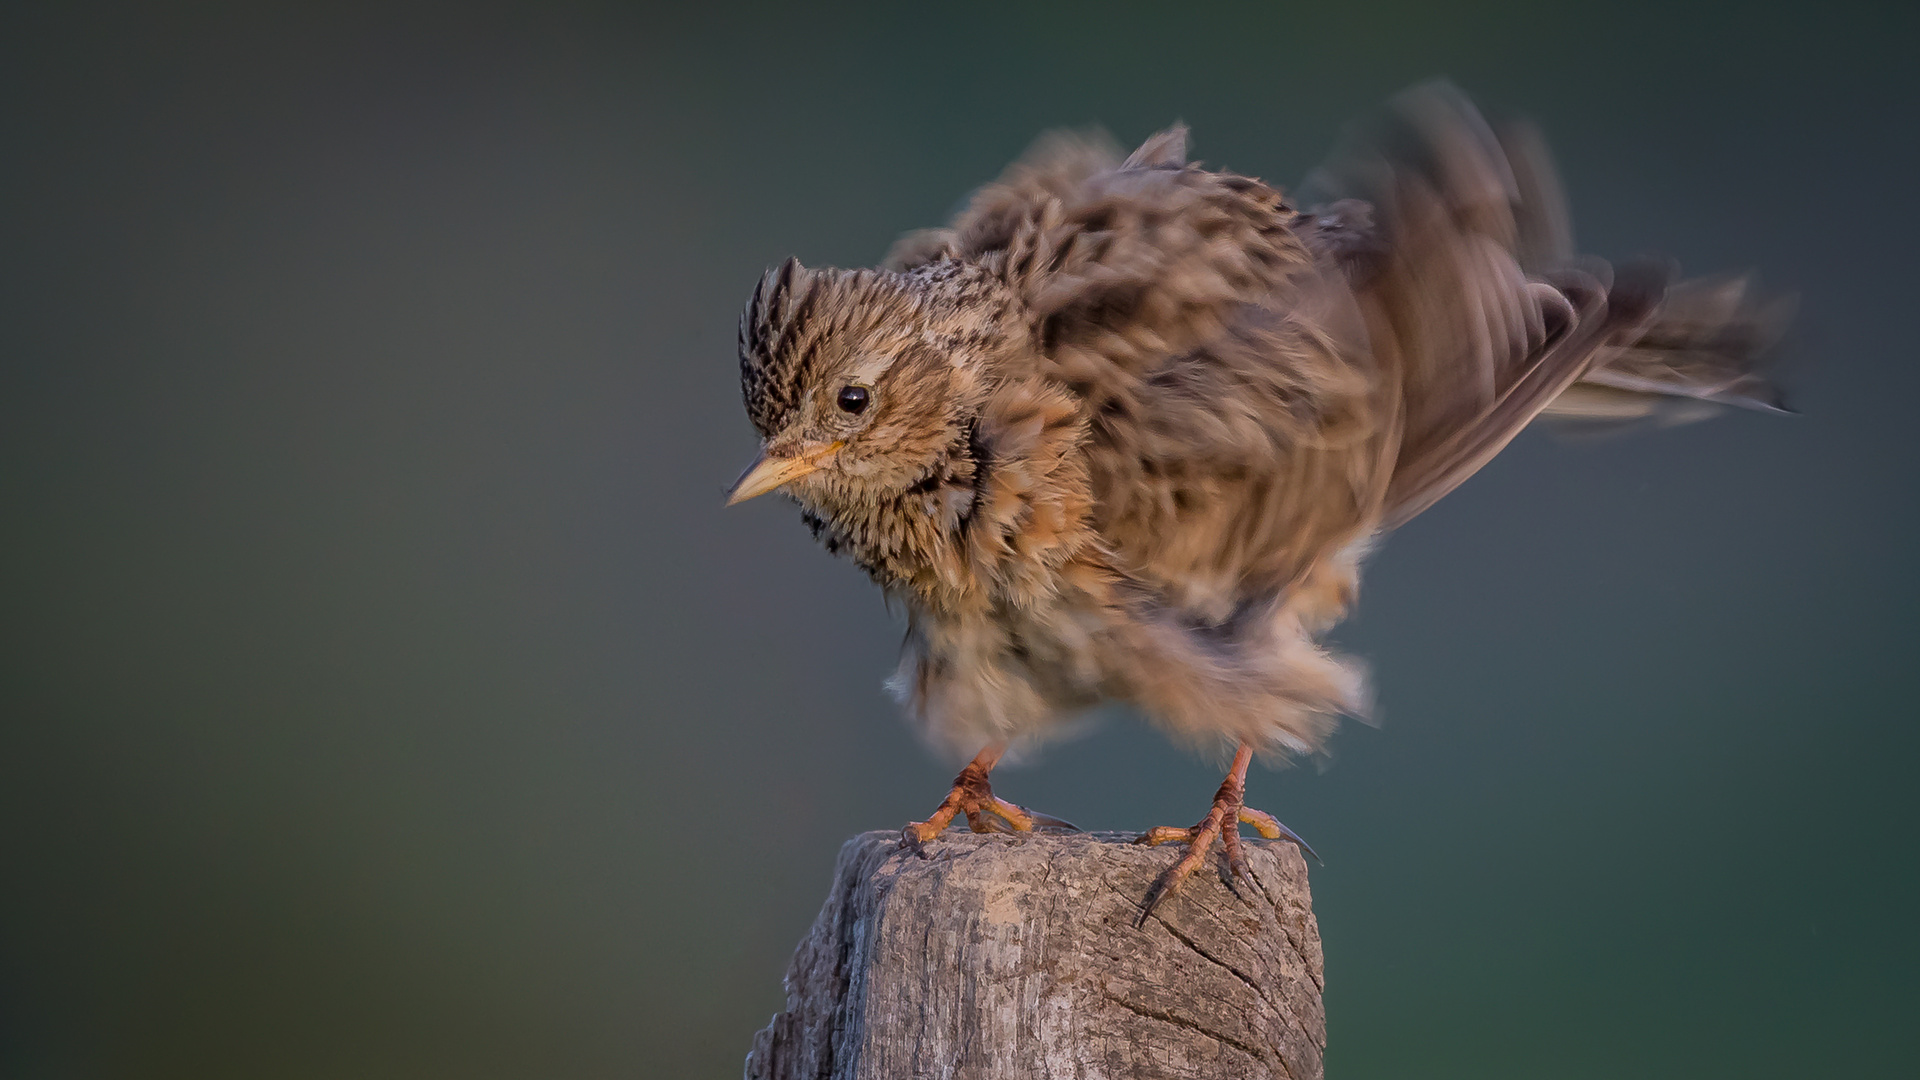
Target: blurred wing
(1463, 271)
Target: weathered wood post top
(1019, 956)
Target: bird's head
(864, 382)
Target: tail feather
(1701, 352)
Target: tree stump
(1018, 956)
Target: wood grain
(1018, 956)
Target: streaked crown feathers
(793, 324)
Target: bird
(1125, 430)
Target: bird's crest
(770, 378)
(795, 325)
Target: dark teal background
(385, 693)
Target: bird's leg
(1222, 822)
(973, 796)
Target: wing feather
(1266, 388)
(1469, 286)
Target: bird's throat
(911, 537)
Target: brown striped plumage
(1124, 429)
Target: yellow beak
(768, 472)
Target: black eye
(853, 399)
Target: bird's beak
(770, 471)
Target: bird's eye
(853, 399)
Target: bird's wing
(1454, 238)
(1265, 387)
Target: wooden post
(1017, 956)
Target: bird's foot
(986, 812)
(1222, 822)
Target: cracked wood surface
(1017, 956)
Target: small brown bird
(1125, 429)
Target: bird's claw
(1271, 828)
(1222, 822)
(985, 812)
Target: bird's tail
(1700, 354)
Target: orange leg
(1222, 822)
(973, 796)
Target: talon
(986, 812)
(1222, 822)
(1200, 840)
(1048, 821)
(1271, 828)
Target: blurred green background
(385, 693)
